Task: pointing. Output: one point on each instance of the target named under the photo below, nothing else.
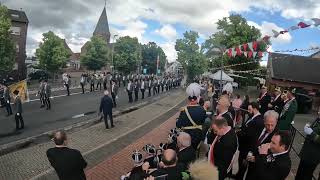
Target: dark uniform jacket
(224, 150)
(170, 173)
(68, 163)
(18, 105)
(106, 105)
(186, 156)
(273, 167)
(47, 90)
(198, 115)
(287, 114)
(311, 147)
(263, 102)
(6, 94)
(277, 105)
(248, 134)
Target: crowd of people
(225, 136)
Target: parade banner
(22, 88)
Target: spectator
(263, 137)
(289, 111)
(186, 153)
(236, 105)
(170, 170)
(310, 157)
(106, 106)
(223, 109)
(202, 170)
(244, 106)
(67, 162)
(264, 99)
(223, 148)
(273, 161)
(18, 110)
(140, 169)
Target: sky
(164, 21)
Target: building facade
(19, 29)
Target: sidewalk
(96, 143)
(121, 163)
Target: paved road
(38, 120)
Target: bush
(40, 74)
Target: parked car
(39, 74)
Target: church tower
(102, 28)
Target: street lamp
(113, 41)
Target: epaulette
(182, 109)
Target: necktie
(262, 137)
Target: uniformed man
(92, 82)
(130, 89)
(41, 94)
(136, 90)
(18, 111)
(289, 111)
(149, 86)
(114, 92)
(264, 99)
(155, 85)
(47, 94)
(310, 156)
(123, 81)
(66, 81)
(7, 99)
(191, 118)
(142, 87)
(277, 103)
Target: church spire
(102, 28)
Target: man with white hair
(270, 128)
(187, 153)
(106, 106)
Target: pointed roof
(103, 25)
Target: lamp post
(113, 41)
(219, 49)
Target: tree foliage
(97, 54)
(127, 54)
(189, 54)
(52, 53)
(7, 49)
(150, 53)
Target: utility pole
(113, 40)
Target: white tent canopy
(217, 76)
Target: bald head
(169, 158)
(59, 138)
(184, 140)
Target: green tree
(127, 55)
(7, 49)
(233, 31)
(150, 53)
(190, 55)
(97, 54)
(52, 53)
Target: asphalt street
(65, 111)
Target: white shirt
(129, 85)
(112, 89)
(142, 85)
(278, 154)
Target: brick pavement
(120, 163)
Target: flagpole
(157, 65)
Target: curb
(26, 142)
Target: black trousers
(68, 90)
(149, 93)
(82, 87)
(91, 87)
(105, 117)
(154, 90)
(142, 93)
(124, 83)
(114, 99)
(242, 167)
(136, 95)
(47, 102)
(8, 108)
(130, 96)
(42, 99)
(305, 170)
(98, 84)
(19, 121)
(104, 85)
(162, 88)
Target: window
(15, 15)
(17, 48)
(15, 30)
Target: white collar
(254, 116)
(278, 154)
(223, 112)
(277, 97)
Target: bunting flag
(238, 51)
(254, 54)
(249, 54)
(230, 52)
(303, 25)
(316, 21)
(266, 38)
(245, 53)
(255, 45)
(260, 54)
(250, 46)
(275, 33)
(234, 52)
(284, 31)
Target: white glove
(8, 102)
(307, 130)
(18, 114)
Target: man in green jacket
(289, 111)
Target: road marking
(78, 116)
(55, 96)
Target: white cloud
(169, 49)
(168, 32)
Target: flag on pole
(158, 61)
(22, 88)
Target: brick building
(19, 28)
